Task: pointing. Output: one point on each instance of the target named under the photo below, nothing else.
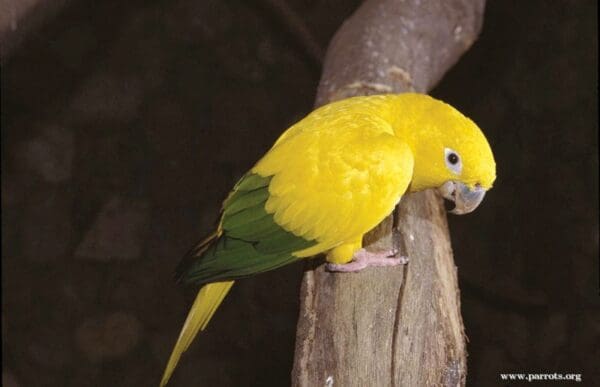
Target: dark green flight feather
(251, 241)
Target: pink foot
(363, 259)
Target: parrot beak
(465, 199)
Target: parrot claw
(363, 259)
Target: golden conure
(327, 181)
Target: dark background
(124, 124)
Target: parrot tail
(207, 301)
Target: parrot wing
(335, 178)
(248, 241)
(328, 180)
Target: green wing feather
(251, 241)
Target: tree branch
(390, 326)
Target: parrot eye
(453, 161)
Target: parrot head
(451, 153)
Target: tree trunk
(396, 326)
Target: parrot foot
(363, 259)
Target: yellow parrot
(328, 180)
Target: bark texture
(390, 326)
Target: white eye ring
(453, 161)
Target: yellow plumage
(341, 170)
(337, 174)
(207, 301)
(327, 181)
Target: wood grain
(396, 326)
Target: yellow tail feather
(206, 303)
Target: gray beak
(464, 198)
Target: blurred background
(124, 125)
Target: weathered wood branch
(390, 326)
